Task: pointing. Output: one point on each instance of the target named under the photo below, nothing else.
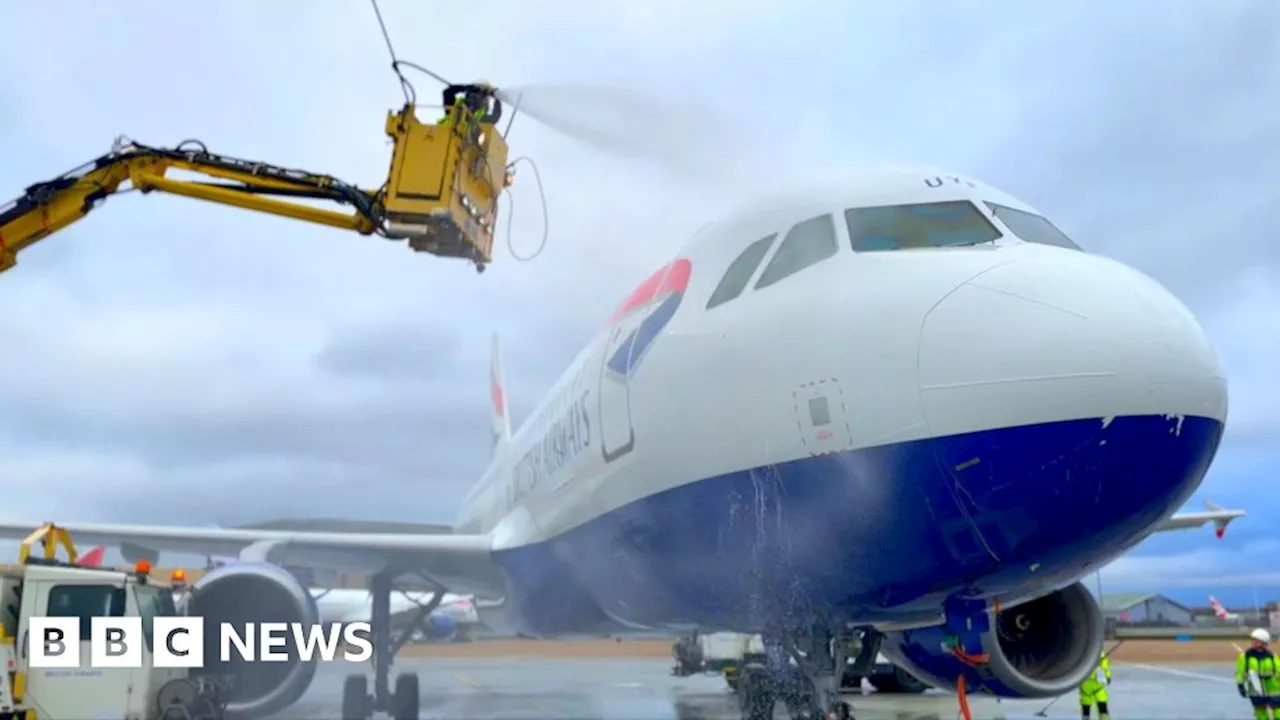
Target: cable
(962, 693)
(415, 66)
(511, 204)
(410, 94)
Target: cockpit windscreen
(921, 225)
(1030, 227)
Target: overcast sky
(167, 359)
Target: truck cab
(51, 588)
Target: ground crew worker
(1256, 676)
(477, 98)
(181, 590)
(1093, 691)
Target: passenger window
(923, 225)
(86, 602)
(807, 243)
(740, 271)
(1032, 228)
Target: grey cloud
(407, 352)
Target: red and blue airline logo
(664, 291)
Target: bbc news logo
(179, 642)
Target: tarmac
(644, 689)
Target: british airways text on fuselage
(561, 435)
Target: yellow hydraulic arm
(49, 536)
(441, 192)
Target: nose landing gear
(403, 704)
(804, 670)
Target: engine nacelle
(1039, 649)
(254, 593)
(441, 628)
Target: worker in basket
(478, 99)
(1093, 691)
(1256, 677)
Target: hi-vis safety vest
(1103, 672)
(1256, 670)
(1098, 678)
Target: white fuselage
(930, 389)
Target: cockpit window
(806, 243)
(740, 271)
(1030, 227)
(924, 225)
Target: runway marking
(465, 680)
(1180, 673)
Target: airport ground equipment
(43, 585)
(441, 191)
(441, 194)
(726, 653)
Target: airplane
(903, 406)
(1221, 612)
(453, 617)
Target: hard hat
(484, 84)
(1261, 635)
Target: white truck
(725, 653)
(49, 587)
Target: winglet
(1214, 513)
(1220, 524)
(498, 398)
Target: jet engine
(254, 593)
(1039, 649)
(441, 628)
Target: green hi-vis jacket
(1093, 688)
(1259, 663)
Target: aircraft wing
(1214, 513)
(460, 562)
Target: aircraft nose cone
(1110, 396)
(1061, 337)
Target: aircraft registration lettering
(938, 181)
(568, 435)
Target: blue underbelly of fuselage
(869, 535)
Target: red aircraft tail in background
(93, 558)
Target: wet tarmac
(608, 689)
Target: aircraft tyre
(405, 701)
(356, 703)
(756, 694)
(802, 705)
(810, 679)
(851, 682)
